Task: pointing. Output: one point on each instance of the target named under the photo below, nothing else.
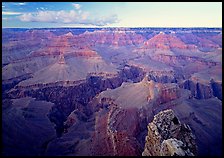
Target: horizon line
(107, 27)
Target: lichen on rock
(168, 137)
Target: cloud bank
(23, 3)
(10, 13)
(68, 17)
(77, 6)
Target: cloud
(107, 20)
(77, 6)
(22, 3)
(68, 17)
(101, 21)
(11, 13)
(3, 6)
(40, 16)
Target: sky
(111, 14)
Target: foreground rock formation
(168, 137)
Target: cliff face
(178, 60)
(168, 92)
(122, 114)
(163, 77)
(113, 38)
(165, 41)
(204, 90)
(168, 137)
(204, 41)
(75, 96)
(217, 89)
(115, 132)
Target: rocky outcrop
(217, 89)
(203, 90)
(165, 41)
(128, 108)
(168, 92)
(168, 137)
(115, 132)
(174, 147)
(133, 73)
(163, 77)
(71, 119)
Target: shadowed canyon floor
(69, 92)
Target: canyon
(105, 91)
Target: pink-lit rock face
(165, 41)
(113, 38)
(204, 41)
(115, 133)
(169, 93)
(94, 91)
